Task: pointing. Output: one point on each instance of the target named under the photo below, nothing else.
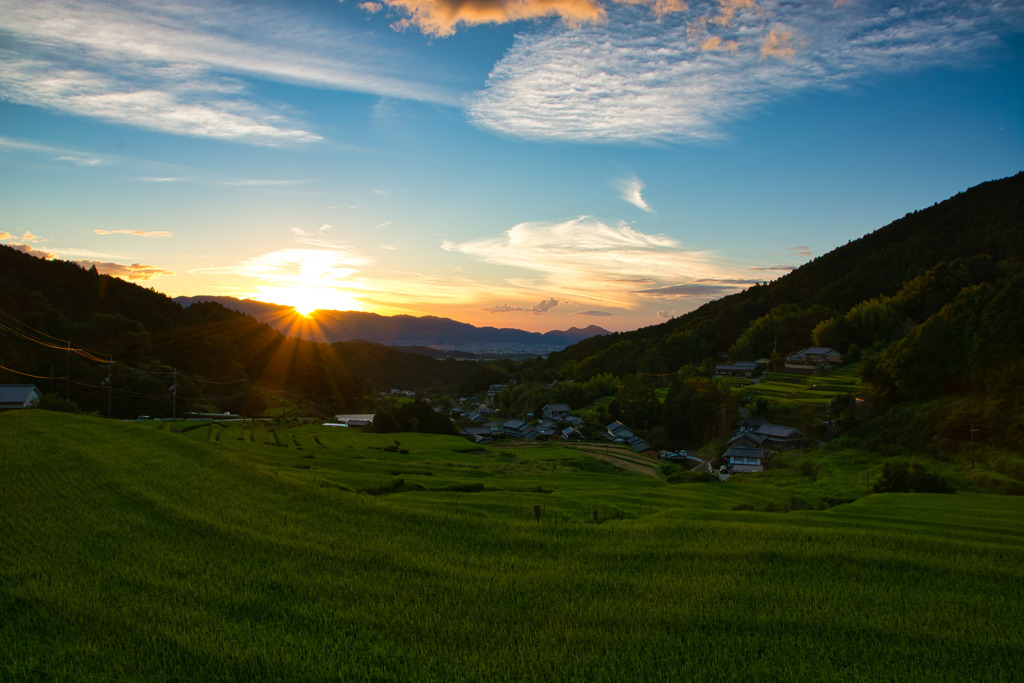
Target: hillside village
(748, 448)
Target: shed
(18, 396)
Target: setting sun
(307, 279)
(306, 299)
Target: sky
(536, 164)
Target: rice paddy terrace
(240, 551)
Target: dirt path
(608, 455)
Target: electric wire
(85, 353)
(18, 372)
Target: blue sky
(524, 164)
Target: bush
(58, 403)
(902, 477)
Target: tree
(636, 402)
(903, 477)
(692, 410)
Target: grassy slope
(131, 552)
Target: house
(751, 424)
(359, 420)
(571, 434)
(779, 438)
(479, 434)
(617, 431)
(18, 396)
(620, 433)
(814, 359)
(757, 432)
(493, 391)
(546, 428)
(518, 429)
(743, 368)
(556, 411)
(743, 459)
(747, 440)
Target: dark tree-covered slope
(61, 326)
(986, 220)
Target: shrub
(57, 403)
(901, 477)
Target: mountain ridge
(399, 330)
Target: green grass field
(241, 551)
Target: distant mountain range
(400, 330)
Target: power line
(18, 372)
(85, 353)
(30, 327)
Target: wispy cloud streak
(179, 67)
(136, 233)
(647, 79)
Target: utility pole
(67, 374)
(174, 395)
(110, 384)
(973, 429)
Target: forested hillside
(107, 345)
(934, 301)
(983, 225)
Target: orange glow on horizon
(306, 299)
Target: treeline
(112, 347)
(695, 409)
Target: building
(556, 411)
(757, 432)
(518, 429)
(743, 368)
(743, 459)
(814, 359)
(19, 396)
(620, 433)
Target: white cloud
(586, 260)
(268, 182)
(631, 190)
(56, 153)
(135, 271)
(177, 67)
(81, 161)
(648, 79)
(136, 233)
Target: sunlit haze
(517, 164)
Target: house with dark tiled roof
(749, 449)
(743, 368)
(556, 411)
(814, 359)
(18, 396)
(620, 433)
(743, 459)
(518, 429)
(779, 438)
